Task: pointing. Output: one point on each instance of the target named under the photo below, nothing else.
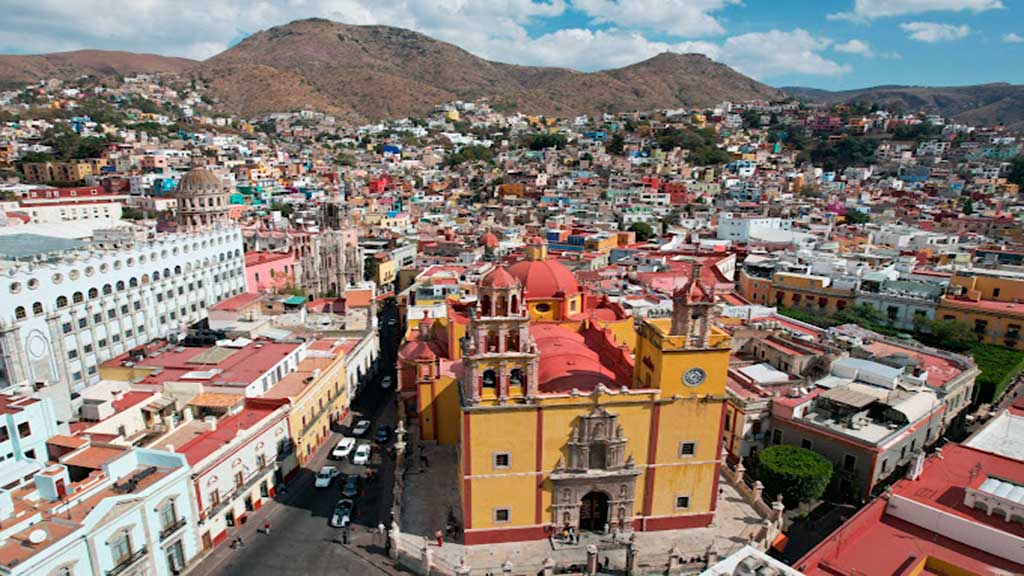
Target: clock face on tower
(694, 377)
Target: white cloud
(1013, 38)
(934, 32)
(777, 53)
(492, 29)
(854, 46)
(676, 17)
(865, 10)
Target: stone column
(632, 558)
(591, 559)
(674, 560)
(427, 558)
(394, 536)
(14, 357)
(57, 346)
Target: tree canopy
(643, 231)
(800, 475)
(850, 151)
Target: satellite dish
(37, 536)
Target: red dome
(489, 240)
(544, 278)
(499, 278)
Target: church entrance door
(594, 511)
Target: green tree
(857, 217)
(542, 141)
(968, 207)
(285, 209)
(617, 144)
(471, 153)
(643, 230)
(946, 334)
(860, 314)
(850, 151)
(1016, 174)
(800, 475)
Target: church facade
(560, 418)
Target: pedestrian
(382, 531)
(440, 538)
(605, 563)
(266, 528)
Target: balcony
(128, 562)
(170, 530)
(249, 482)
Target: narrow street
(301, 540)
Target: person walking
(440, 538)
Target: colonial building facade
(561, 422)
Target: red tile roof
(227, 428)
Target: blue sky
(833, 44)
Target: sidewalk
(735, 524)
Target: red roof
(867, 543)
(566, 362)
(499, 278)
(237, 302)
(227, 428)
(544, 279)
(940, 370)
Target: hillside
(381, 71)
(988, 104)
(18, 70)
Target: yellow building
(317, 393)
(809, 292)
(989, 301)
(559, 423)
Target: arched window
(167, 272)
(37, 308)
(77, 298)
(485, 305)
(516, 377)
(93, 293)
(514, 304)
(107, 289)
(500, 306)
(62, 301)
(177, 270)
(19, 313)
(490, 379)
(133, 282)
(492, 341)
(156, 276)
(119, 285)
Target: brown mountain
(379, 71)
(18, 70)
(981, 104)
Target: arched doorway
(594, 511)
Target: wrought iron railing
(128, 562)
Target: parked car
(350, 487)
(383, 434)
(361, 428)
(342, 513)
(362, 455)
(343, 449)
(324, 476)
(386, 382)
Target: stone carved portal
(597, 484)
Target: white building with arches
(59, 319)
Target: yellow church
(567, 412)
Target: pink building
(269, 271)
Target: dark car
(350, 487)
(383, 433)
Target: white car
(362, 455)
(361, 428)
(343, 449)
(342, 513)
(324, 476)
(386, 382)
